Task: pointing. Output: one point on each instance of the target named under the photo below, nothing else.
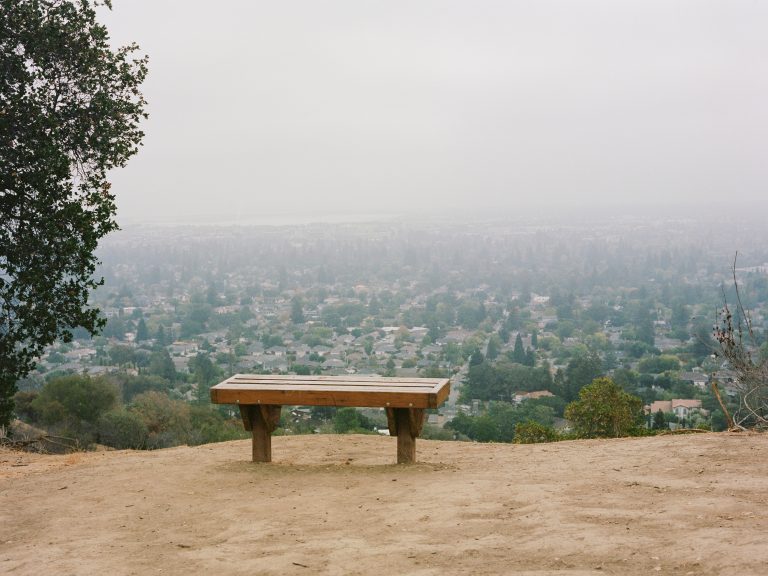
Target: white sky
(328, 107)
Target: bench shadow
(349, 466)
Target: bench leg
(405, 423)
(261, 420)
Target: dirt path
(687, 505)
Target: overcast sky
(360, 107)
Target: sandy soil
(689, 505)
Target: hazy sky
(356, 106)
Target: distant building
(519, 397)
(698, 379)
(680, 407)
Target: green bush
(350, 420)
(168, 421)
(533, 433)
(429, 432)
(208, 425)
(122, 429)
(23, 406)
(77, 399)
(51, 411)
(132, 386)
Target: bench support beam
(406, 424)
(261, 420)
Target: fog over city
(299, 111)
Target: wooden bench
(260, 398)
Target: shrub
(24, 409)
(533, 433)
(208, 425)
(122, 429)
(132, 386)
(168, 421)
(80, 399)
(430, 432)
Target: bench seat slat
(346, 389)
(325, 385)
(328, 381)
(344, 378)
(316, 397)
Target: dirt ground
(689, 505)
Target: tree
(476, 358)
(494, 346)
(533, 433)
(530, 358)
(580, 371)
(658, 364)
(168, 421)
(301, 369)
(205, 374)
(390, 367)
(518, 354)
(679, 321)
(604, 410)
(80, 399)
(114, 328)
(141, 331)
(161, 364)
(297, 310)
(501, 420)
(131, 386)
(452, 353)
(470, 314)
(485, 429)
(122, 355)
(160, 337)
(71, 108)
(350, 420)
(122, 429)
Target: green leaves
(70, 108)
(604, 410)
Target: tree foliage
(659, 364)
(350, 420)
(660, 421)
(80, 399)
(533, 433)
(122, 429)
(70, 108)
(500, 380)
(131, 386)
(579, 372)
(604, 410)
(168, 421)
(205, 375)
(499, 423)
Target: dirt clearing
(687, 505)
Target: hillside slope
(337, 505)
